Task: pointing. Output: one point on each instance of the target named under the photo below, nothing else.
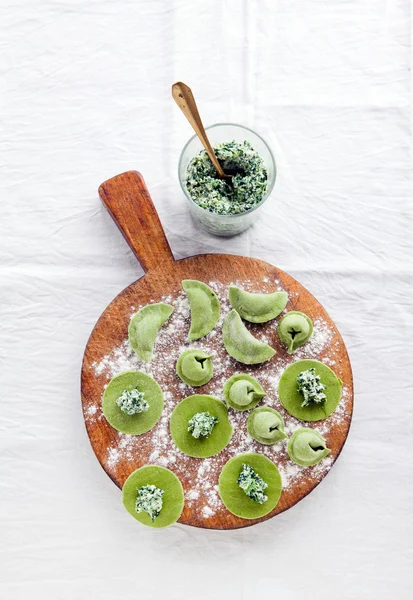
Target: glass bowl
(226, 225)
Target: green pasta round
(235, 499)
(173, 497)
(292, 400)
(138, 423)
(201, 447)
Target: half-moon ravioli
(204, 305)
(144, 327)
(257, 308)
(241, 344)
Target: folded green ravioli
(266, 425)
(295, 329)
(257, 308)
(307, 447)
(204, 306)
(144, 326)
(241, 344)
(194, 367)
(242, 392)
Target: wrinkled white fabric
(85, 94)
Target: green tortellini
(194, 367)
(292, 399)
(266, 425)
(185, 411)
(204, 305)
(307, 447)
(144, 327)
(257, 308)
(295, 329)
(241, 344)
(140, 422)
(172, 497)
(242, 392)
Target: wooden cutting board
(127, 200)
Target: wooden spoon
(183, 96)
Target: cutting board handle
(129, 204)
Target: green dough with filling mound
(137, 423)
(257, 308)
(144, 327)
(266, 425)
(172, 499)
(201, 447)
(235, 499)
(307, 447)
(241, 344)
(242, 392)
(194, 367)
(294, 330)
(292, 400)
(205, 308)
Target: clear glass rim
(267, 193)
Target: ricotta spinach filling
(228, 196)
(132, 402)
(310, 387)
(149, 500)
(202, 424)
(252, 484)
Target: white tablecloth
(85, 94)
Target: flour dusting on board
(201, 490)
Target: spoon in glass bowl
(183, 96)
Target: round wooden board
(128, 191)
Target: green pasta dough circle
(242, 392)
(204, 306)
(257, 308)
(144, 326)
(266, 425)
(295, 329)
(200, 447)
(194, 367)
(138, 423)
(173, 497)
(291, 399)
(307, 447)
(235, 499)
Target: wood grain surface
(129, 203)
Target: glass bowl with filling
(227, 207)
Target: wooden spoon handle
(183, 96)
(129, 204)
